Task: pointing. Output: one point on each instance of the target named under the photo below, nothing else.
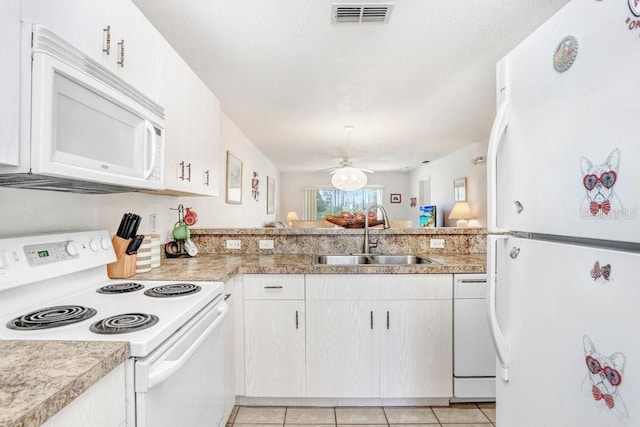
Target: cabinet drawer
(379, 286)
(274, 286)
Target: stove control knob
(105, 243)
(72, 248)
(94, 245)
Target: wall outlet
(153, 225)
(266, 244)
(436, 243)
(233, 244)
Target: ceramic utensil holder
(155, 250)
(125, 265)
(143, 261)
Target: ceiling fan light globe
(349, 179)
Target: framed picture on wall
(234, 179)
(460, 190)
(271, 195)
(396, 198)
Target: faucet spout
(385, 219)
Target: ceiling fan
(345, 162)
(346, 177)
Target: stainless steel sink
(340, 259)
(400, 259)
(371, 259)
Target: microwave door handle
(150, 149)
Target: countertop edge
(107, 355)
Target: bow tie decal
(598, 395)
(597, 271)
(605, 207)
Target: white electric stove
(55, 287)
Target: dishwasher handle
(168, 368)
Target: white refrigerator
(563, 216)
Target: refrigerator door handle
(499, 341)
(495, 139)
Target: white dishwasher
(474, 359)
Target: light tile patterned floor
(455, 415)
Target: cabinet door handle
(121, 49)
(372, 320)
(387, 319)
(206, 181)
(181, 177)
(227, 296)
(106, 37)
(273, 287)
(296, 319)
(189, 170)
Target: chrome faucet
(368, 245)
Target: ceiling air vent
(361, 12)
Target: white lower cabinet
(343, 351)
(274, 323)
(387, 336)
(416, 349)
(348, 335)
(102, 405)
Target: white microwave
(84, 129)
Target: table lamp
(462, 213)
(291, 216)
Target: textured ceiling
(415, 88)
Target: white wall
(293, 183)
(444, 171)
(35, 211)
(215, 212)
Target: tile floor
(455, 415)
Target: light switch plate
(233, 244)
(266, 244)
(436, 243)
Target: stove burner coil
(52, 317)
(123, 323)
(120, 288)
(173, 290)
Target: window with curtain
(319, 202)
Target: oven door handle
(168, 368)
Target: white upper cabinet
(192, 138)
(112, 32)
(10, 80)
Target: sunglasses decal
(604, 379)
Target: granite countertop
(221, 267)
(39, 378)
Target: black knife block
(125, 265)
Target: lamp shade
(462, 213)
(291, 216)
(348, 179)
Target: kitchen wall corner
(442, 172)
